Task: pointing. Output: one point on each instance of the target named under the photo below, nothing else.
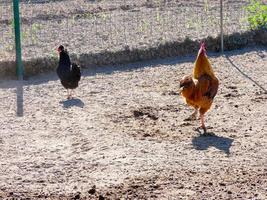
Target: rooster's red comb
(202, 47)
(202, 44)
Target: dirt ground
(95, 26)
(124, 136)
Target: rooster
(68, 73)
(200, 88)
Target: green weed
(257, 15)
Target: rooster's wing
(207, 86)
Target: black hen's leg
(69, 94)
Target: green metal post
(19, 64)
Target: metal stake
(221, 16)
(19, 64)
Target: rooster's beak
(181, 89)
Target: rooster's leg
(202, 123)
(193, 116)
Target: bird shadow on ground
(72, 102)
(203, 142)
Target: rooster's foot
(203, 131)
(208, 134)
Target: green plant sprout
(206, 6)
(34, 30)
(193, 22)
(143, 26)
(24, 35)
(89, 15)
(53, 54)
(103, 16)
(257, 15)
(158, 17)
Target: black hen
(68, 73)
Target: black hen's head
(60, 48)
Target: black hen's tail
(76, 72)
